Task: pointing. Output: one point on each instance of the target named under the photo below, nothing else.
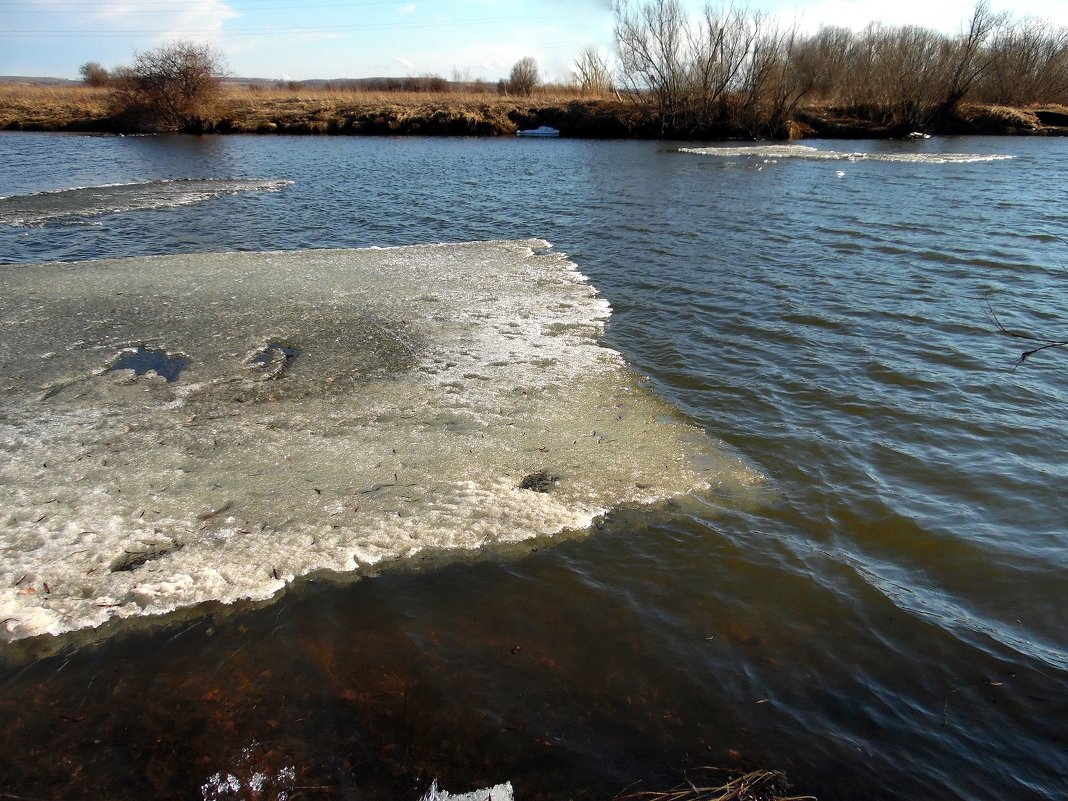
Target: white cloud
(200, 20)
(404, 62)
(408, 9)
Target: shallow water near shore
(883, 619)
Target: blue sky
(295, 39)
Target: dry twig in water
(758, 785)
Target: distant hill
(32, 81)
(426, 83)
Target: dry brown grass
(300, 110)
(245, 109)
(50, 107)
(304, 110)
(999, 118)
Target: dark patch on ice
(541, 481)
(273, 357)
(143, 360)
(131, 560)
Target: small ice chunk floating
(541, 132)
(335, 410)
(809, 153)
(499, 792)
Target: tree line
(175, 86)
(728, 71)
(741, 71)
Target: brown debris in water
(541, 481)
(131, 560)
(757, 785)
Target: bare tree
(93, 74)
(772, 87)
(171, 88)
(1028, 64)
(914, 79)
(1040, 343)
(969, 59)
(722, 46)
(524, 76)
(652, 43)
(896, 75)
(592, 73)
(821, 61)
(735, 71)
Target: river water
(874, 604)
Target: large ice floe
(191, 428)
(87, 202)
(809, 153)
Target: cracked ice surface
(407, 393)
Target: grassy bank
(322, 111)
(309, 111)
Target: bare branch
(1043, 343)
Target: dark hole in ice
(142, 359)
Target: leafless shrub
(524, 77)
(771, 87)
(822, 62)
(1028, 64)
(426, 83)
(905, 75)
(913, 76)
(652, 43)
(591, 72)
(171, 88)
(93, 74)
(969, 54)
(731, 69)
(722, 50)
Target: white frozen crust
(428, 382)
(91, 201)
(819, 154)
(499, 792)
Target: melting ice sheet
(92, 201)
(816, 154)
(335, 409)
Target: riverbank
(325, 112)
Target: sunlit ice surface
(209, 427)
(809, 153)
(87, 203)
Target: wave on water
(816, 154)
(93, 201)
(322, 410)
(952, 613)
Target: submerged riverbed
(872, 603)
